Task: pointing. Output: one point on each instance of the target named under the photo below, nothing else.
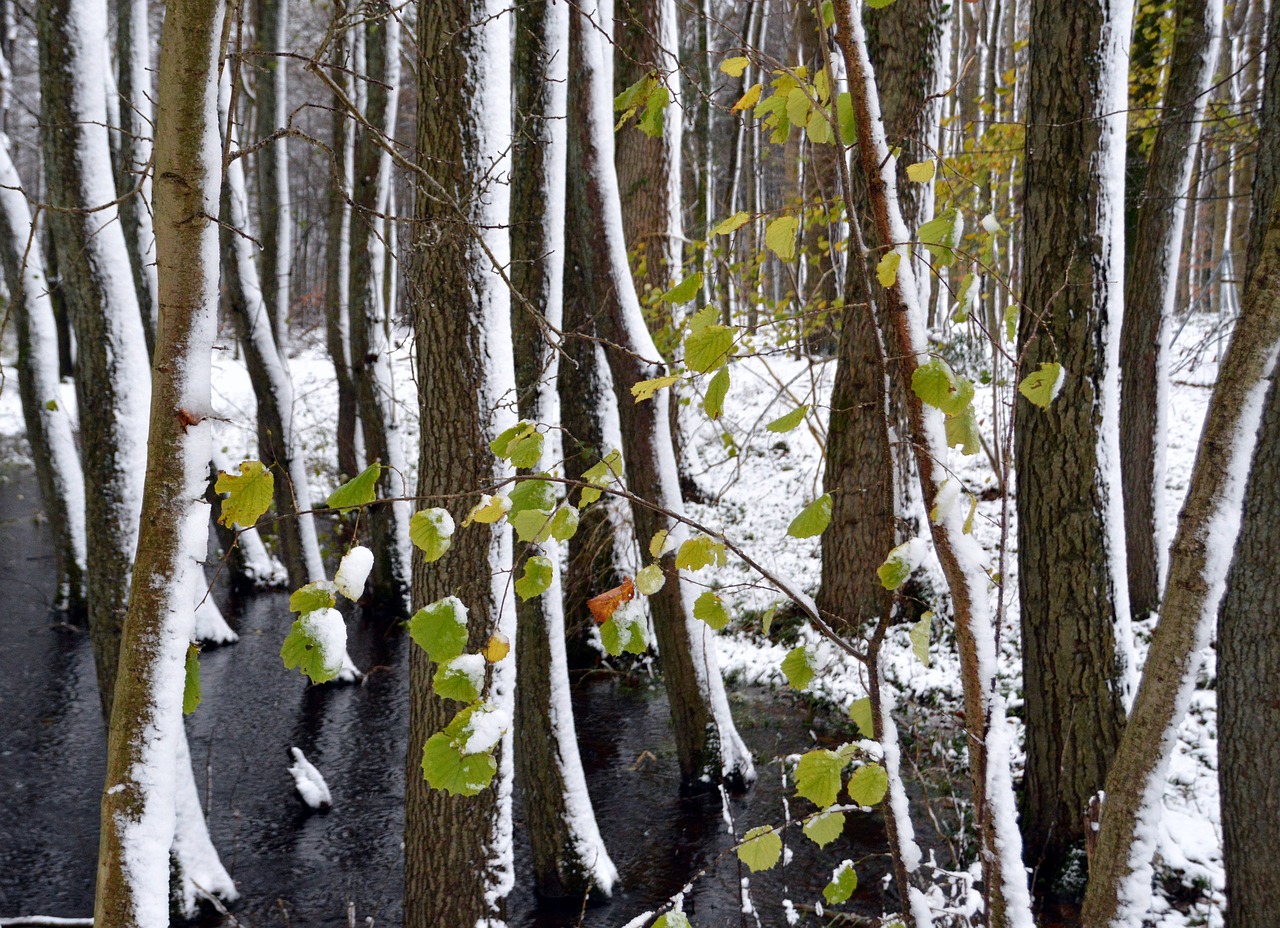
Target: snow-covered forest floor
(754, 483)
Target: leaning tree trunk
(112, 382)
(708, 745)
(1150, 289)
(569, 856)
(458, 855)
(272, 26)
(1121, 866)
(139, 808)
(49, 427)
(1070, 521)
(278, 446)
(370, 340)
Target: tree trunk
(708, 745)
(1149, 298)
(458, 856)
(370, 342)
(272, 29)
(1072, 591)
(112, 382)
(146, 734)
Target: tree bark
(146, 735)
(112, 384)
(458, 858)
(708, 745)
(1149, 297)
(272, 29)
(1074, 601)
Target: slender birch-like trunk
(272, 24)
(139, 805)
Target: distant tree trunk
(1070, 530)
(112, 382)
(272, 27)
(708, 745)
(1149, 297)
(370, 340)
(338, 268)
(278, 446)
(133, 48)
(49, 427)
(569, 856)
(458, 855)
(647, 36)
(144, 786)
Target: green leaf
(538, 574)
(564, 524)
(532, 494)
(761, 848)
(818, 128)
(51, 405)
(533, 525)
(304, 649)
(461, 678)
(868, 784)
(920, 637)
(1041, 387)
(360, 490)
(716, 391)
(818, 777)
(445, 767)
(602, 473)
(847, 117)
(828, 14)
(934, 382)
(860, 712)
(734, 66)
(191, 681)
(766, 622)
(710, 609)
(922, 171)
(431, 531)
(658, 543)
(962, 431)
(941, 235)
(700, 551)
(968, 522)
(624, 631)
(634, 96)
(318, 595)
(655, 109)
(813, 519)
(780, 237)
(521, 445)
(673, 920)
(797, 666)
(650, 579)
(897, 567)
(732, 224)
(879, 4)
(786, 423)
(441, 629)
(798, 105)
(824, 827)
(249, 494)
(709, 348)
(645, 389)
(684, 291)
(844, 879)
(887, 269)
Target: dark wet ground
(294, 867)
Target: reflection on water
(295, 867)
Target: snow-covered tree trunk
(272, 25)
(278, 446)
(49, 426)
(1120, 869)
(133, 51)
(709, 746)
(459, 866)
(143, 785)
(989, 736)
(1150, 288)
(370, 331)
(569, 856)
(112, 379)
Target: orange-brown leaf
(603, 606)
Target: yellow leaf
(499, 646)
(749, 99)
(489, 510)
(780, 236)
(732, 224)
(645, 389)
(248, 494)
(734, 66)
(921, 172)
(887, 269)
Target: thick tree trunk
(569, 856)
(1149, 298)
(272, 28)
(708, 745)
(49, 427)
(1121, 866)
(146, 739)
(1074, 600)
(458, 856)
(370, 340)
(112, 382)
